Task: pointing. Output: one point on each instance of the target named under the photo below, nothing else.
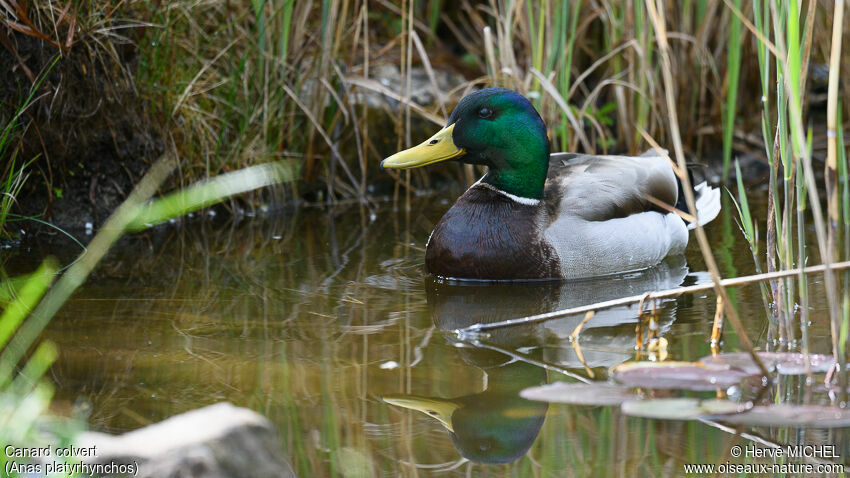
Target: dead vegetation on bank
(86, 136)
(329, 85)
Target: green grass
(784, 35)
(733, 74)
(25, 395)
(14, 174)
(224, 72)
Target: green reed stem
(750, 230)
(733, 73)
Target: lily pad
(784, 363)
(594, 393)
(677, 375)
(799, 416)
(682, 408)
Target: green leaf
(207, 193)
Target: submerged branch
(529, 360)
(736, 281)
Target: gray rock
(218, 441)
(389, 86)
(422, 90)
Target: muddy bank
(90, 134)
(93, 136)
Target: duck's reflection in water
(493, 426)
(609, 337)
(496, 425)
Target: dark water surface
(312, 318)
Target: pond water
(325, 322)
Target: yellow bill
(439, 147)
(440, 409)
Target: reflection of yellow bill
(439, 147)
(440, 409)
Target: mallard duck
(536, 215)
(492, 426)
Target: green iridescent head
(495, 127)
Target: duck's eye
(485, 113)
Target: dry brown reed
(243, 83)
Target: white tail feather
(707, 202)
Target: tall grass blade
(23, 301)
(733, 73)
(212, 191)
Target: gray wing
(598, 188)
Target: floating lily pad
(784, 363)
(801, 416)
(594, 393)
(677, 375)
(682, 408)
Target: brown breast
(488, 236)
